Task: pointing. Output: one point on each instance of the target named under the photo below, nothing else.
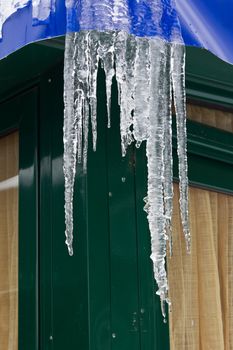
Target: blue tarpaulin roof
(207, 24)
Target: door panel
(103, 297)
(64, 288)
(125, 327)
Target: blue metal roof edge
(207, 25)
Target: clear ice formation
(149, 73)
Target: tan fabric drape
(209, 116)
(201, 284)
(9, 242)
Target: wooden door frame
(19, 113)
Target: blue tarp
(207, 24)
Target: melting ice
(150, 73)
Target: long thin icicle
(93, 64)
(168, 160)
(106, 54)
(125, 64)
(155, 164)
(142, 82)
(83, 76)
(69, 138)
(178, 78)
(145, 70)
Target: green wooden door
(103, 297)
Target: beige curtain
(201, 284)
(9, 242)
(211, 116)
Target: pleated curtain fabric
(9, 242)
(217, 118)
(201, 284)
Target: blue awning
(207, 24)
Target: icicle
(125, 49)
(69, 138)
(168, 160)
(78, 101)
(142, 78)
(106, 54)
(145, 70)
(81, 86)
(155, 163)
(178, 79)
(41, 9)
(93, 63)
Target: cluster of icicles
(149, 74)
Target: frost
(8, 7)
(149, 73)
(41, 9)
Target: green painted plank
(28, 223)
(75, 291)
(64, 303)
(123, 240)
(45, 287)
(25, 66)
(98, 232)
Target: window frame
(19, 114)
